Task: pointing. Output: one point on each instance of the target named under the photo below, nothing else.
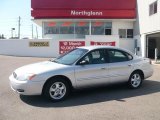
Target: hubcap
(136, 80)
(57, 90)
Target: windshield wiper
(55, 61)
(52, 60)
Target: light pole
(12, 29)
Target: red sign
(104, 14)
(92, 9)
(65, 46)
(84, 4)
(103, 43)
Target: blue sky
(10, 10)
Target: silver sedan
(81, 68)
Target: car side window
(118, 56)
(94, 57)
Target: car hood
(40, 67)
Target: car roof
(105, 47)
(96, 47)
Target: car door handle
(129, 65)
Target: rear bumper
(26, 87)
(148, 73)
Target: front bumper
(26, 87)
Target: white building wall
(121, 24)
(148, 24)
(126, 43)
(22, 48)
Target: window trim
(126, 31)
(152, 11)
(107, 29)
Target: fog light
(20, 90)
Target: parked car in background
(81, 68)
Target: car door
(94, 71)
(119, 65)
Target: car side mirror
(83, 62)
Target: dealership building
(105, 22)
(66, 24)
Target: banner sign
(65, 46)
(91, 9)
(59, 13)
(38, 44)
(103, 43)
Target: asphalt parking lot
(107, 103)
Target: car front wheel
(57, 89)
(135, 80)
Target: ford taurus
(81, 68)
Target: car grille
(14, 75)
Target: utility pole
(19, 27)
(12, 29)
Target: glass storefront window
(97, 28)
(51, 28)
(108, 28)
(108, 24)
(82, 28)
(67, 28)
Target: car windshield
(71, 56)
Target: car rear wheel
(57, 89)
(135, 80)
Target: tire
(57, 89)
(135, 80)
